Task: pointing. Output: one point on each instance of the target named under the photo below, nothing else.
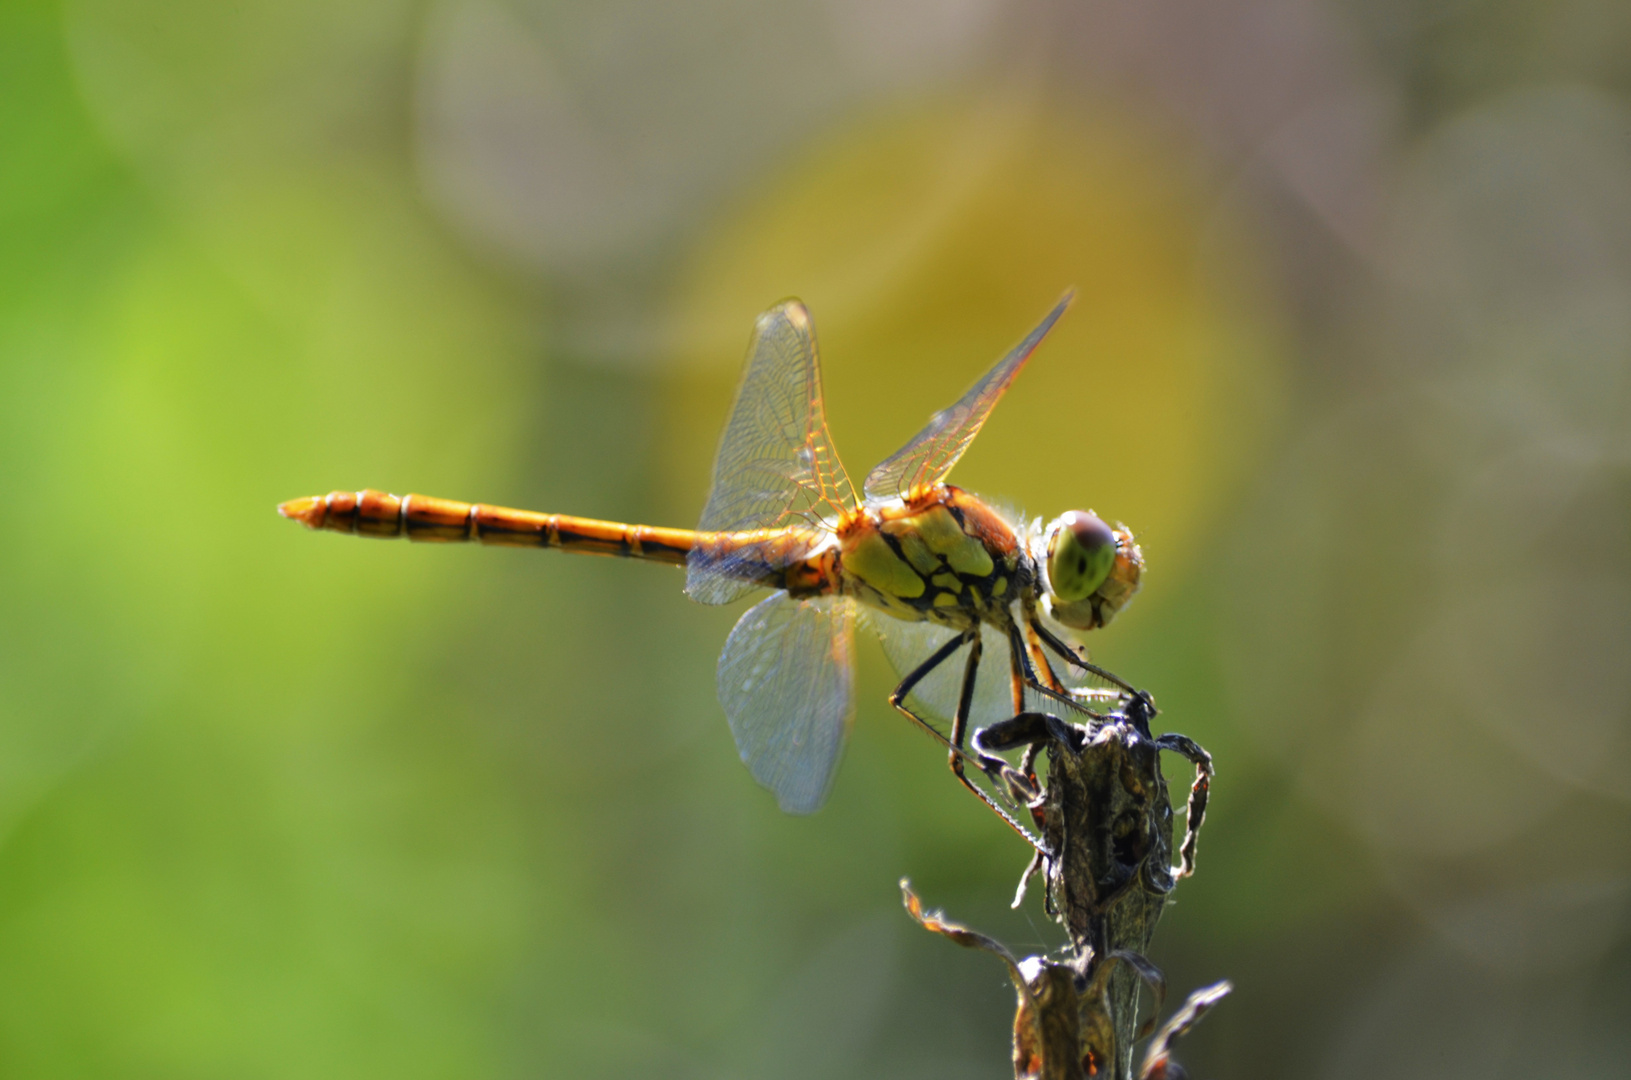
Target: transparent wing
(908, 644)
(776, 464)
(929, 457)
(787, 681)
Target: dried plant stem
(1107, 827)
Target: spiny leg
(921, 672)
(1016, 676)
(965, 703)
(1033, 648)
(1070, 655)
(1027, 764)
(959, 723)
(1023, 725)
(1030, 730)
(1024, 654)
(994, 767)
(1022, 783)
(954, 747)
(1024, 664)
(1023, 675)
(1020, 657)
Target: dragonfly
(933, 569)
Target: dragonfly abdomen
(427, 519)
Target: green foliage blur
(1352, 355)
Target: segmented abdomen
(775, 558)
(423, 518)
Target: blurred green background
(1352, 354)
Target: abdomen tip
(308, 511)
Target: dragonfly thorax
(941, 555)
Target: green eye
(1080, 555)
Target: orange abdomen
(423, 518)
(780, 558)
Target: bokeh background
(1352, 354)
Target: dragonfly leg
(921, 672)
(1032, 644)
(1016, 677)
(1023, 673)
(1020, 784)
(1070, 655)
(994, 767)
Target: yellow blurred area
(926, 241)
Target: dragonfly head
(1090, 571)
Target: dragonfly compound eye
(1081, 551)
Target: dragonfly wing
(776, 464)
(787, 681)
(908, 644)
(929, 457)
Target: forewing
(776, 464)
(908, 644)
(787, 681)
(929, 457)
